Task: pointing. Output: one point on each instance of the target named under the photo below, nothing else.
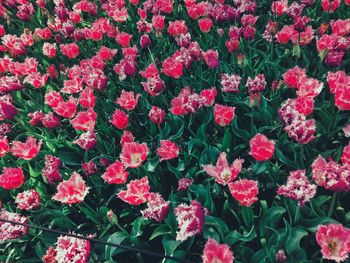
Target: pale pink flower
(71, 191)
(223, 172)
(334, 240)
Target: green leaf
(270, 219)
(179, 122)
(259, 167)
(201, 133)
(170, 245)
(200, 191)
(152, 164)
(64, 222)
(209, 201)
(165, 131)
(209, 154)
(292, 209)
(117, 238)
(70, 158)
(90, 213)
(215, 226)
(347, 216)
(234, 236)
(137, 228)
(160, 231)
(241, 133)
(51, 146)
(259, 256)
(317, 202)
(312, 224)
(39, 249)
(32, 172)
(178, 169)
(286, 160)
(293, 244)
(226, 141)
(248, 216)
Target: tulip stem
(122, 228)
(296, 215)
(331, 208)
(152, 58)
(252, 120)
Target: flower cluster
(167, 150)
(333, 47)
(186, 102)
(133, 154)
(255, 87)
(331, 175)
(293, 112)
(26, 150)
(244, 191)
(298, 33)
(339, 85)
(168, 121)
(230, 83)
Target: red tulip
(136, 193)
(120, 119)
(244, 191)
(261, 148)
(71, 191)
(11, 178)
(223, 115)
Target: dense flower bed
(213, 131)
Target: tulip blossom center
(225, 175)
(333, 246)
(136, 158)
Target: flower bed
(213, 131)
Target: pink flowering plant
(210, 131)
